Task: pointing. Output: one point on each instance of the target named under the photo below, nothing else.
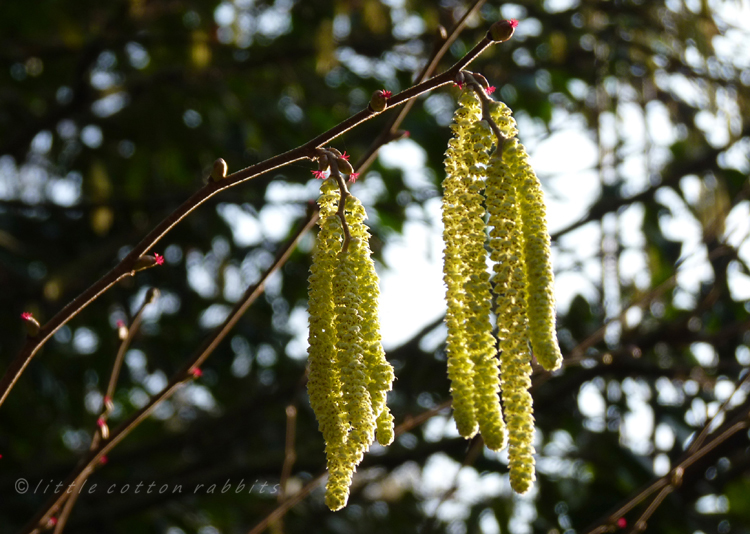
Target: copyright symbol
(22, 485)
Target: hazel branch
(305, 151)
(441, 47)
(673, 479)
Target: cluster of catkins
(498, 190)
(349, 376)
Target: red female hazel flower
(502, 30)
(32, 325)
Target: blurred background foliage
(111, 114)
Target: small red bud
(502, 30)
(52, 521)
(103, 460)
(353, 177)
(32, 325)
(197, 373)
(379, 99)
(159, 259)
(622, 523)
(344, 166)
(146, 262)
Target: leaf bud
(151, 295)
(122, 330)
(103, 428)
(219, 170)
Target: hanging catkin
(522, 283)
(349, 376)
(455, 223)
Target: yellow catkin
(324, 385)
(479, 338)
(354, 395)
(540, 280)
(457, 163)
(510, 288)
(379, 372)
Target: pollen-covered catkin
(540, 280)
(349, 361)
(459, 157)
(479, 338)
(323, 384)
(510, 289)
(522, 282)
(349, 376)
(379, 372)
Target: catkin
(537, 257)
(522, 282)
(506, 243)
(323, 385)
(349, 376)
(455, 216)
(480, 341)
(379, 371)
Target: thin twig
(479, 90)
(55, 503)
(671, 480)
(390, 132)
(62, 520)
(125, 267)
(707, 427)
